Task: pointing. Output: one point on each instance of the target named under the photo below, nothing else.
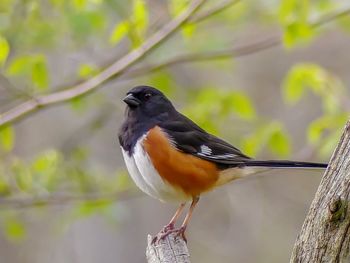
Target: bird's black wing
(188, 137)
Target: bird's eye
(147, 96)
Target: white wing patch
(205, 150)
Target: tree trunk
(325, 235)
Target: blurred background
(271, 77)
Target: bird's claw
(167, 230)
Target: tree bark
(171, 249)
(325, 234)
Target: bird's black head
(147, 101)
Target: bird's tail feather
(254, 167)
(284, 164)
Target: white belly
(146, 177)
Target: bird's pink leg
(170, 225)
(173, 220)
(182, 229)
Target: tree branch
(64, 199)
(116, 68)
(213, 11)
(325, 235)
(239, 51)
(331, 17)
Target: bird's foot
(162, 232)
(167, 228)
(167, 231)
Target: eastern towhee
(171, 158)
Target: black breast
(133, 128)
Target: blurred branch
(200, 16)
(6, 84)
(121, 65)
(332, 17)
(61, 199)
(239, 51)
(15, 93)
(114, 69)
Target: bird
(172, 159)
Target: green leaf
(7, 138)
(325, 123)
(20, 65)
(250, 145)
(241, 105)
(293, 88)
(315, 130)
(14, 229)
(177, 6)
(23, 176)
(79, 4)
(329, 143)
(294, 15)
(119, 31)
(47, 169)
(296, 33)
(78, 104)
(40, 73)
(310, 76)
(140, 16)
(46, 162)
(86, 23)
(270, 135)
(209, 115)
(87, 70)
(5, 181)
(188, 30)
(4, 50)
(279, 143)
(34, 66)
(301, 76)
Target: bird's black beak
(131, 100)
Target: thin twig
(239, 51)
(5, 84)
(64, 199)
(223, 5)
(331, 17)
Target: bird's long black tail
(284, 164)
(254, 167)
